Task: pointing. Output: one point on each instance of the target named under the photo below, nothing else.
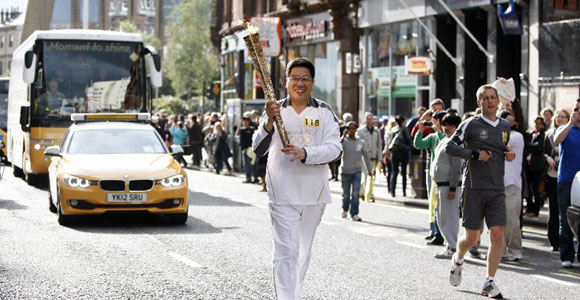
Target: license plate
(127, 197)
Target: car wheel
(63, 220)
(51, 205)
(31, 179)
(178, 219)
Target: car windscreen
(115, 141)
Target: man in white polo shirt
(297, 175)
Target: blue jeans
(251, 170)
(567, 250)
(350, 198)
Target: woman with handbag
(400, 144)
(552, 155)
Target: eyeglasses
(297, 78)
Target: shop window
(1, 67)
(11, 41)
(557, 10)
(2, 42)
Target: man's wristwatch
(474, 155)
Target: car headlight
(173, 181)
(74, 181)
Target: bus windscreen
(87, 77)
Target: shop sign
(270, 30)
(397, 85)
(403, 85)
(309, 29)
(418, 65)
(509, 19)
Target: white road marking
(555, 280)
(155, 240)
(184, 260)
(412, 245)
(327, 223)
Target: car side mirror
(177, 149)
(154, 63)
(52, 151)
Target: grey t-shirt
(477, 135)
(353, 154)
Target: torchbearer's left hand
(298, 153)
(509, 154)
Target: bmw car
(115, 166)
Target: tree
(191, 59)
(148, 39)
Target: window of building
(11, 41)
(1, 67)
(2, 42)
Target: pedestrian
(547, 113)
(387, 153)
(446, 175)
(513, 192)
(537, 167)
(399, 144)
(354, 154)
(157, 126)
(298, 187)
(221, 151)
(178, 135)
(196, 141)
(485, 138)
(568, 139)
(246, 131)
(370, 136)
(429, 142)
(552, 154)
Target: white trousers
(512, 238)
(293, 228)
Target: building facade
(11, 21)
(323, 31)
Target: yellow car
(104, 166)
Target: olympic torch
(254, 45)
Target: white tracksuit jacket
(316, 130)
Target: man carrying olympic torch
(297, 173)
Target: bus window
(3, 104)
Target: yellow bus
(56, 73)
(3, 115)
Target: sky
(7, 4)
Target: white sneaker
(567, 264)
(491, 290)
(455, 271)
(344, 214)
(446, 254)
(356, 218)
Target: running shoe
(473, 254)
(491, 290)
(455, 271)
(356, 218)
(344, 214)
(446, 254)
(567, 264)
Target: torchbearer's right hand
(272, 110)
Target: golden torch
(254, 45)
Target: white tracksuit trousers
(293, 228)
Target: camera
(427, 123)
(575, 108)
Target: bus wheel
(17, 172)
(51, 205)
(30, 179)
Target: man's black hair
(439, 115)
(505, 113)
(451, 119)
(300, 62)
